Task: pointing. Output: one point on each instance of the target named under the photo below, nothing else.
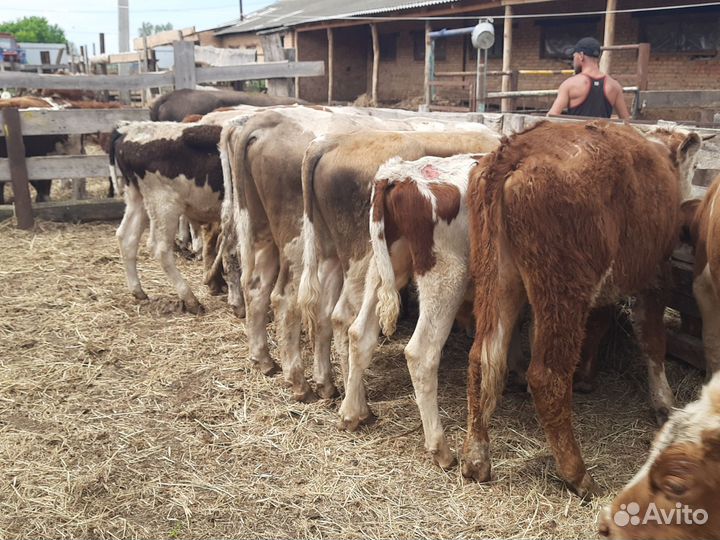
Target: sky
(82, 21)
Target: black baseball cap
(587, 45)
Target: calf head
(683, 147)
(677, 492)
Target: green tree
(34, 30)
(148, 28)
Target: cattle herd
(322, 215)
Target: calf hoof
(266, 366)
(326, 391)
(586, 489)
(193, 306)
(476, 461)
(140, 295)
(348, 423)
(476, 470)
(443, 457)
(239, 311)
(305, 395)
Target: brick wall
(402, 78)
(312, 46)
(350, 60)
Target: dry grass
(127, 419)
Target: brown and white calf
(676, 494)
(569, 218)
(263, 157)
(703, 234)
(338, 173)
(170, 170)
(418, 229)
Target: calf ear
(688, 147)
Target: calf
(418, 226)
(175, 106)
(569, 218)
(703, 234)
(170, 169)
(263, 157)
(676, 494)
(338, 172)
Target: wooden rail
(20, 169)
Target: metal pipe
(450, 33)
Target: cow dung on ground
(121, 418)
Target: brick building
(683, 36)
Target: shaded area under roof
(292, 12)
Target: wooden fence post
(643, 61)
(184, 68)
(428, 67)
(18, 168)
(376, 64)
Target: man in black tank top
(589, 92)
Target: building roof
(284, 13)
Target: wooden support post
(330, 64)
(104, 95)
(18, 168)
(376, 64)
(145, 92)
(609, 38)
(507, 104)
(428, 67)
(643, 61)
(184, 68)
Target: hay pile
(128, 419)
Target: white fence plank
(75, 121)
(47, 168)
(14, 79)
(267, 70)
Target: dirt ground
(127, 419)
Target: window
(419, 47)
(557, 38)
(496, 51)
(388, 46)
(697, 32)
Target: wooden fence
(183, 75)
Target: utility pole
(241, 11)
(124, 41)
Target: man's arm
(620, 106)
(562, 101)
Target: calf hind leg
(162, 241)
(132, 226)
(650, 329)
(362, 340)
(558, 339)
(330, 274)
(257, 289)
(487, 370)
(287, 328)
(440, 297)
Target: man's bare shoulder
(609, 81)
(575, 81)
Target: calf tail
(309, 289)
(388, 307)
(485, 193)
(118, 186)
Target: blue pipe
(444, 33)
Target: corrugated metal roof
(286, 13)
